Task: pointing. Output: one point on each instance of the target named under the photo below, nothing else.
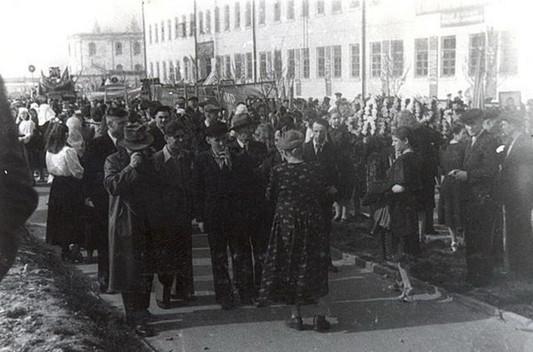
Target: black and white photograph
(266, 176)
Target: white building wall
(386, 20)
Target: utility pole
(196, 50)
(254, 42)
(363, 49)
(144, 42)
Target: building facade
(315, 47)
(96, 57)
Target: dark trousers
(479, 227)
(327, 216)
(101, 231)
(519, 238)
(240, 250)
(136, 304)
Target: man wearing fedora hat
(478, 172)
(255, 222)
(220, 195)
(126, 176)
(516, 191)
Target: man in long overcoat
(218, 201)
(516, 192)
(96, 197)
(479, 172)
(130, 242)
(171, 215)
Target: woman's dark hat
(136, 137)
(513, 117)
(291, 139)
(241, 120)
(216, 130)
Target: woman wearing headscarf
(296, 263)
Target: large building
(315, 47)
(95, 57)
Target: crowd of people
(265, 183)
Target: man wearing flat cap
(218, 199)
(254, 222)
(126, 179)
(516, 192)
(479, 172)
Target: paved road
(366, 316)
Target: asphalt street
(366, 316)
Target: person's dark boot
(320, 323)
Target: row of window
(386, 59)
(169, 30)
(117, 48)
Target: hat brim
(139, 145)
(242, 124)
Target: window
(118, 48)
(421, 57)
(178, 71)
(262, 12)
(119, 67)
(136, 48)
(355, 61)
(476, 62)
(150, 34)
(508, 56)
(183, 26)
(336, 6)
(238, 66)
(201, 22)
(237, 15)
(186, 68)
(138, 67)
(92, 49)
(262, 65)
(151, 69)
(171, 71)
(156, 31)
(169, 25)
(219, 65)
(277, 11)
(157, 71)
(228, 67)
(278, 63)
(321, 62)
(249, 66)
(337, 61)
(355, 4)
(192, 26)
(248, 14)
(306, 65)
(305, 8)
(448, 56)
(375, 60)
(320, 7)
(162, 31)
(164, 71)
(397, 57)
(291, 63)
(226, 18)
(176, 28)
(208, 21)
(290, 9)
(217, 19)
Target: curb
(519, 322)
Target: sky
(34, 32)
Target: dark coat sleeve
(118, 175)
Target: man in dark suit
(254, 222)
(219, 200)
(479, 172)
(516, 192)
(171, 215)
(161, 116)
(96, 197)
(319, 148)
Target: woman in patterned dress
(296, 263)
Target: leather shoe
(295, 323)
(320, 323)
(333, 269)
(144, 330)
(227, 304)
(163, 304)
